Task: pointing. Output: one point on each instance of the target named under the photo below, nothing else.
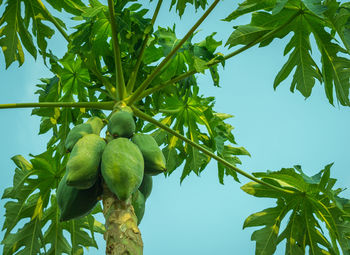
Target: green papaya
(121, 124)
(74, 203)
(152, 154)
(84, 161)
(146, 185)
(122, 167)
(92, 126)
(138, 201)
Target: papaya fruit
(121, 124)
(138, 201)
(152, 154)
(146, 185)
(122, 167)
(84, 161)
(92, 126)
(74, 203)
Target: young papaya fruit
(92, 126)
(152, 154)
(121, 124)
(138, 201)
(146, 185)
(122, 167)
(84, 161)
(74, 203)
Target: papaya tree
(124, 105)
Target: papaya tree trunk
(122, 235)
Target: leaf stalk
(116, 49)
(91, 105)
(211, 63)
(148, 118)
(132, 80)
(157, 70)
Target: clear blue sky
(278, 128)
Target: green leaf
(250, 6)
(74, 78)
(294, 234)
(334, 67)
(342, 221)
(286, 177)
(246, 34)
(315, 6)
(14, 34)
(313, 207)
(229, 153)
(266, 237)
(261, 24)
(300, 58)
(192, 115)
(77, 229)
(259, 190)
(33, 206)
(21, 162)
(28, 237)
(338, 15)
(9, 39)
(279, 6)
(313, 235)
(72, 6)
(200, 65)
(181, 4)
(325, 177)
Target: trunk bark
(122, 235)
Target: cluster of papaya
(125, 161)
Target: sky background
(201, 216)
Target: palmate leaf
(28, 204)
(313, 18)
(312, 203)
(192, 115)
(335, 69)
(306, 71)
(262, 23)
(191, 56)
(92, 39)
(32, 217)
(74, 77)
(77, 228)
(14, 29)
(28, 237)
